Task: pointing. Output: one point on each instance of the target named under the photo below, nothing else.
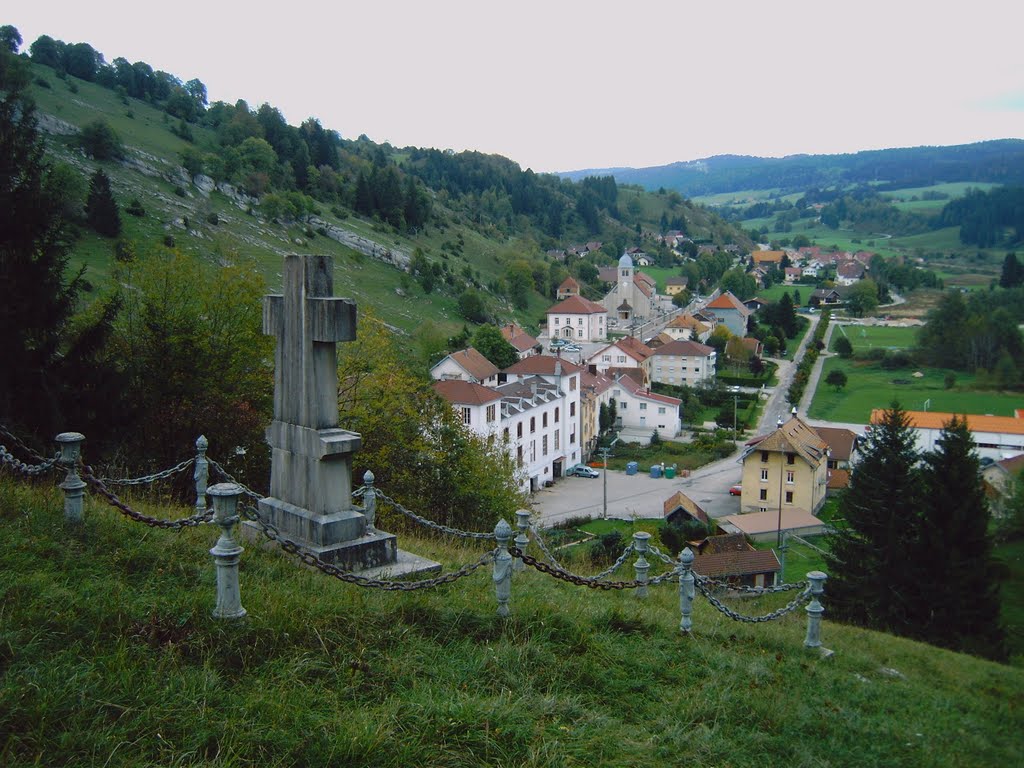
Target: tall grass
(109, 657)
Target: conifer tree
(100, 208)
(872, 582)
(959, 588)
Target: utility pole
(605, 453)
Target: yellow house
(787, 468)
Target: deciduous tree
(489, 342)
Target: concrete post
(201, 475)
(814, 609)
(503, 567)
(686, 590)
(73, 486)
(641, 566)
(369, 502)
(522, 538)
(226, 552)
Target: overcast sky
(564, 85)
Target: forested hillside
(1000, 162)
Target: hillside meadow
(109, 657)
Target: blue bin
(656, 471)
(632, 467)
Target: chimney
(558, 367)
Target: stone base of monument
(341, 539)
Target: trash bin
(656, 471)
(632, 467)
(670, 472)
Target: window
(764, 494)
(764, 457)
(572, 383)
(580, 334)
(533, 450)
(556, 414)
(533, 424)
(467, 415)
(622, 405)
(544, 446)
(789, 476)
(791, 458)
(764, 475)
(491, 411)
(606, 358)
(617, 393)
(643, 406)
(572, 409)
(544, 420)
(556, 439)
(579, 321)
(762, 509)
(661, 411)
(519, 455)
(572, 438)
(621, 358)
(505, 434)
(789, 497)
(556, 321)
(519, 430)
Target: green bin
(670, 472)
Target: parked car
(736, 490)
(556, 343)
(572, 348)
(582, 470)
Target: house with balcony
(466, 365)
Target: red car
(736, 490)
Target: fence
(507, 557)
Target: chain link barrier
(227, 476)
(774, 589)
(199, 518)
(544, 548)
(289, 546)
(589, 581)
(597, 577)
(147, 479)
(30, 470)
(430, 523)
(792, 605)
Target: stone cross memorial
(311, 472)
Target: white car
(584, 471)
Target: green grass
(110, 657)
(865, 337)
(869, 387)
(775, 292)
(1011, 555)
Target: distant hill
(1000, 162)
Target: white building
(634, 295)
(996, 437)
(467, 365)
(638, 407)
(578, 319)
(683, 362)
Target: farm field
(865, 337)
(869, 386)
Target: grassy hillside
(214, 225)
(109, 657)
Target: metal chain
(751, 590)
(227, 476)
(289, 546)
(431, 524)
(544, 548)
(791, 606)
(8, 458)
(15, 440)
(199, 518)
(589, 582)
(617, 564)
(661, 555)
(147, 479)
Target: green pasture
(865, 337)
(774, 293)
(869, 387)
(954, 189)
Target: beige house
(468, 365)
(787, 468)
(595, 391)
(683, 362)
(686, 326)
(626, 352)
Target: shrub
(607, 548)
(179, 191)
(135, 208)
(169, 241)
(213, 219)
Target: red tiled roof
(685, 348)
(577, 305)
(517, 337)
(680, 500)
(736, 563)
(635, 347)
(840, 441)
(637, 390)
(569, 284)
(542, 365)
(475, 364)
(728, 301)
(458, 392)
(838, 479)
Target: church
(634, 295)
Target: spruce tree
(101, 208)
(959, 588)
(872, 582)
